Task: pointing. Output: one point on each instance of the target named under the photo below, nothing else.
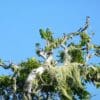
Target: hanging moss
(62, 79)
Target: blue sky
(20, 21)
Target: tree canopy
(63, 77)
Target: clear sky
(20, 21)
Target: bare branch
(43, 54)
(88, 57)
(86, 25)
(82, 29)
(5, 66)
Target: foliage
(65, 77)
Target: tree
(64, 77)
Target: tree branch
(84, 28)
